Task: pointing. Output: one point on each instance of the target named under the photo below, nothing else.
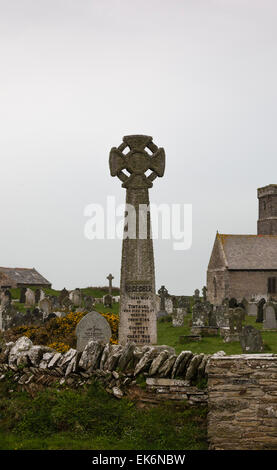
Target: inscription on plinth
(138, 314)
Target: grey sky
(76, 76)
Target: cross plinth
(137, 162)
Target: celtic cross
(136, 155)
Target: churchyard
(203, 374)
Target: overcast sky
(200, 76)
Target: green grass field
(169, 335)
(93, 419)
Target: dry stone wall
(167, 375)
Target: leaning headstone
(138, 309)
(251, 340)
(270, 316)
(92, 327)
(30, 298)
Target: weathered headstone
(137, 154)
(88, 302)
(252, 309)
(178, 317)
(260, 314)
(64, 294)
(270, 316)
(204, 293)
(107, 301)
(163, 293)
(110, 279)
(22, 298)
(196, 296)
(251, 340)
(92, 327)
(30, 298)
(76, 297)
(46, 306)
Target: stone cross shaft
(110, 279)
(137, 162)
(163, 292)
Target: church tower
(267, 223)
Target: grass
(93, 419)
(169, 335)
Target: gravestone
(110, 279)
(108, 301)
(22, 298)
(168, 305)
(137, 154)
(163, 293)
(46, 306)
(64, 294)
(178, 317)
(196, 296)
(88, 302)
(30, 298)
(92, 327)
(252, 309)
(260, 314)
(270, 314)
(76, 297)
(251, 340)
(37, 296)
(232, 334)
(204, 293)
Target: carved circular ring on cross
(133, 158)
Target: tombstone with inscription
(30, 298)
(135, 156)
(92, 327)
(270, 316)
(251, 340)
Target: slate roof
(249, 251)
(25, 276)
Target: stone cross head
(133, 158)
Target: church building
(245, 266)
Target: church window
(271, 285)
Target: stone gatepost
(137, 154)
